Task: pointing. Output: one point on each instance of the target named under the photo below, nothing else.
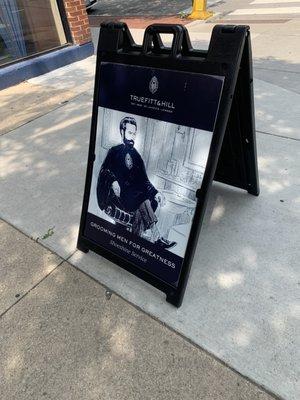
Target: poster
(154, 131)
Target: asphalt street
(137, 7)
(244, 10)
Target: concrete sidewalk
(242, 300)
(64, 336)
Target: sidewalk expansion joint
(33, 287)
(275, 135)
(272, 69)
(60, 105)
(247, 21)
(36, 240)
(46, 276)
(37, 284)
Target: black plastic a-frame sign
(166, 122)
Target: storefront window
(28, 27)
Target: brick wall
(78, 21)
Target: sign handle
(152, 36)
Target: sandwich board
(166, 122)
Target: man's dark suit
(124, 165)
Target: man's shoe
(165, 243)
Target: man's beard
(128, 143)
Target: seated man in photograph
(123, 184)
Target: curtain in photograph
(11, 28)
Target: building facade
(37, 36)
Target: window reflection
(28, 27)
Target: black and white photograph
(145, 176)
(151, 141)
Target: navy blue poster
(154, 132)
